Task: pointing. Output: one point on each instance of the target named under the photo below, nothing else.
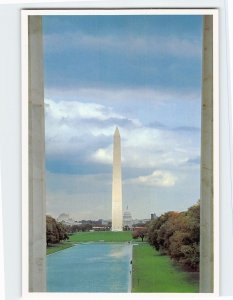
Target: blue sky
(142, 74)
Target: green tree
(177, 234)
(52, 235)
(55, 232)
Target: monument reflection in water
(91, 267)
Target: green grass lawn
(96, 236)
(151, 271)
(58, 247)
(155, 273)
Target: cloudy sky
(142, 74)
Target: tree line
(55, 231)
(177, 234)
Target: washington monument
(116, 184)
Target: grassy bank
(151, 271)
(58, 247)
(97, 236)
(155, 273)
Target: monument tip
(117, 132)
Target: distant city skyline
(142, 74)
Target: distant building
(139, 222)
(153, 216)
(101, 228)
(127, 218)
(66, 219)
(106, 222)
(63, 217)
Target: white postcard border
(25, 225)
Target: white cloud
(158, 178)
(126, 97)
(144, 147)
(85, 130)
(70, 125)
(103, 155)
(76, 109)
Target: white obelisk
(116, 184)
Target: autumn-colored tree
(139, 232)
(177, 235)
(166, 231)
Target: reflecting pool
(90, 267)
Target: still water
(91, 267)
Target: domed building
(127, 219)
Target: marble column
(206, 201)
(37, 211)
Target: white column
(37, 223)
(117, 184)
(206, 208)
